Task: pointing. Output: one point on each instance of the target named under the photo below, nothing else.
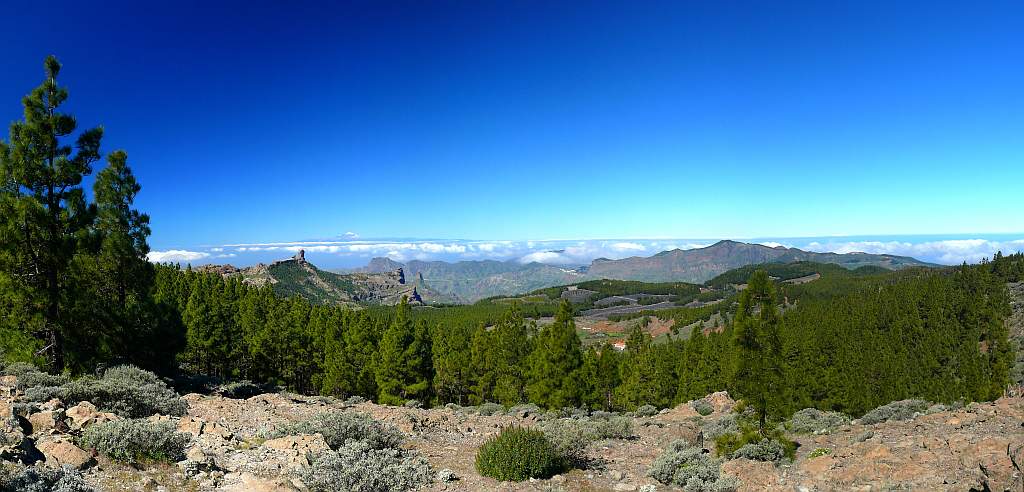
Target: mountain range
(296, 276)
(468, 281)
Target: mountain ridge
(471, 280)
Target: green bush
(895, 411)
(242, 389)
(517, 454)
(703, 407)
(691, 468)
(358, 467)
(354, 400)
(29, 376)
(32, 479)
(819, 452)
(750, 443)
(646, 411)
(725, 424)
(525, 410)
(814, 421)
(413, 404)
(488, 409)
(127, 391)
(339, 428)
(133, 441)
(571, 437)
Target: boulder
(305, 443)
(61, 452)
(46, 421)
(299, 448)
(85, 414)
(200, 427)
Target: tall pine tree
(44, 211)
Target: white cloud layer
(947, 252)
(175, 255)
(357, 252)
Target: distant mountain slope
(470, 281)
(701, 264)
(298, 277)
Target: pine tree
(758, 376)
(403, 355)
(45, 214)
(554, 363)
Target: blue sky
(264, 122)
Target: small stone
(446, 475)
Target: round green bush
(517, 454)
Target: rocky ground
(979, 447)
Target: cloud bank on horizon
(349, 251)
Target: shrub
(723, 425)
(241, 389)
(358, 467)
(127, 391)
(31, 479)
(517, 454)
(814, 421)
(703, 407)
(864, 436)
(132, 441)
(691, 468)
(43, 393)
(572, 436)
(750, 443)
(646, 411)
(355, 400)
(413, 404)
(819, 452)
(895, 411)
(488, 409)
(339, 428)
(603, 415)
(573, 413)
(525, 410)
(770, 450)
(29, 376)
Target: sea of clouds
(349, 251)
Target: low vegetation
(341, 428)
(517, 454)
(687, 466)
(703, 407)
(357, 466)
(42, 479)
(128, 391)
(895, 411)
(571, 436)
(136, 440)
(814, 421)
(754, 444)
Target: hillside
(701, 264)
(246, 442)
(470, 281)
(298, 277)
